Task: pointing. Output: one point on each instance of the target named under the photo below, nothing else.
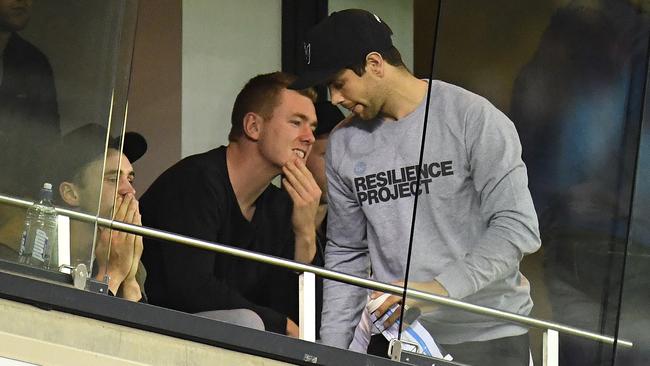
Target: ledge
(65, 298)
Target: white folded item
(415, 334)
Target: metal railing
(337, 276)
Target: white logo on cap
(376, 17)
(307, 47)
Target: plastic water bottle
(38, 246)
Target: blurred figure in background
(577, 106)
(29, 119)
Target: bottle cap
(46, 192)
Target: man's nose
(126, 187)
(307, 134)
(335, 96)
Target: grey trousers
(242, 317)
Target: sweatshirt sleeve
(347, 252)
(500, 179)
(183, 277)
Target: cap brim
(135, 146)
(312, 78)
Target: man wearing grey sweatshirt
(475, 219)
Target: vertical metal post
(395, 350)
(63, 242)
(307, 298)
(551, 348)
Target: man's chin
(365, 116)
(15, 25)
(294, 158)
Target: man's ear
(252, 125)
(375, 64)
(69, 194)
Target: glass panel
(64, 81)
(634, 319)
(566, 76)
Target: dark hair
(260, 95)
(391, 56)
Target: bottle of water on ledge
(38, 246)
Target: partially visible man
(225, 195)
(92, 185)
(475, 215)
(328, 117)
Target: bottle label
(40, 245)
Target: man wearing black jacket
(225, 195)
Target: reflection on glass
(577, 108)
(576, 103)
(634, 314)
(28, 103)
(28, 118)
(87, 48)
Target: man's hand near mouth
(304, 192)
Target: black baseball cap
(340, 41)
(328, 116)
(86, 144)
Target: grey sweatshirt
(475, 217)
